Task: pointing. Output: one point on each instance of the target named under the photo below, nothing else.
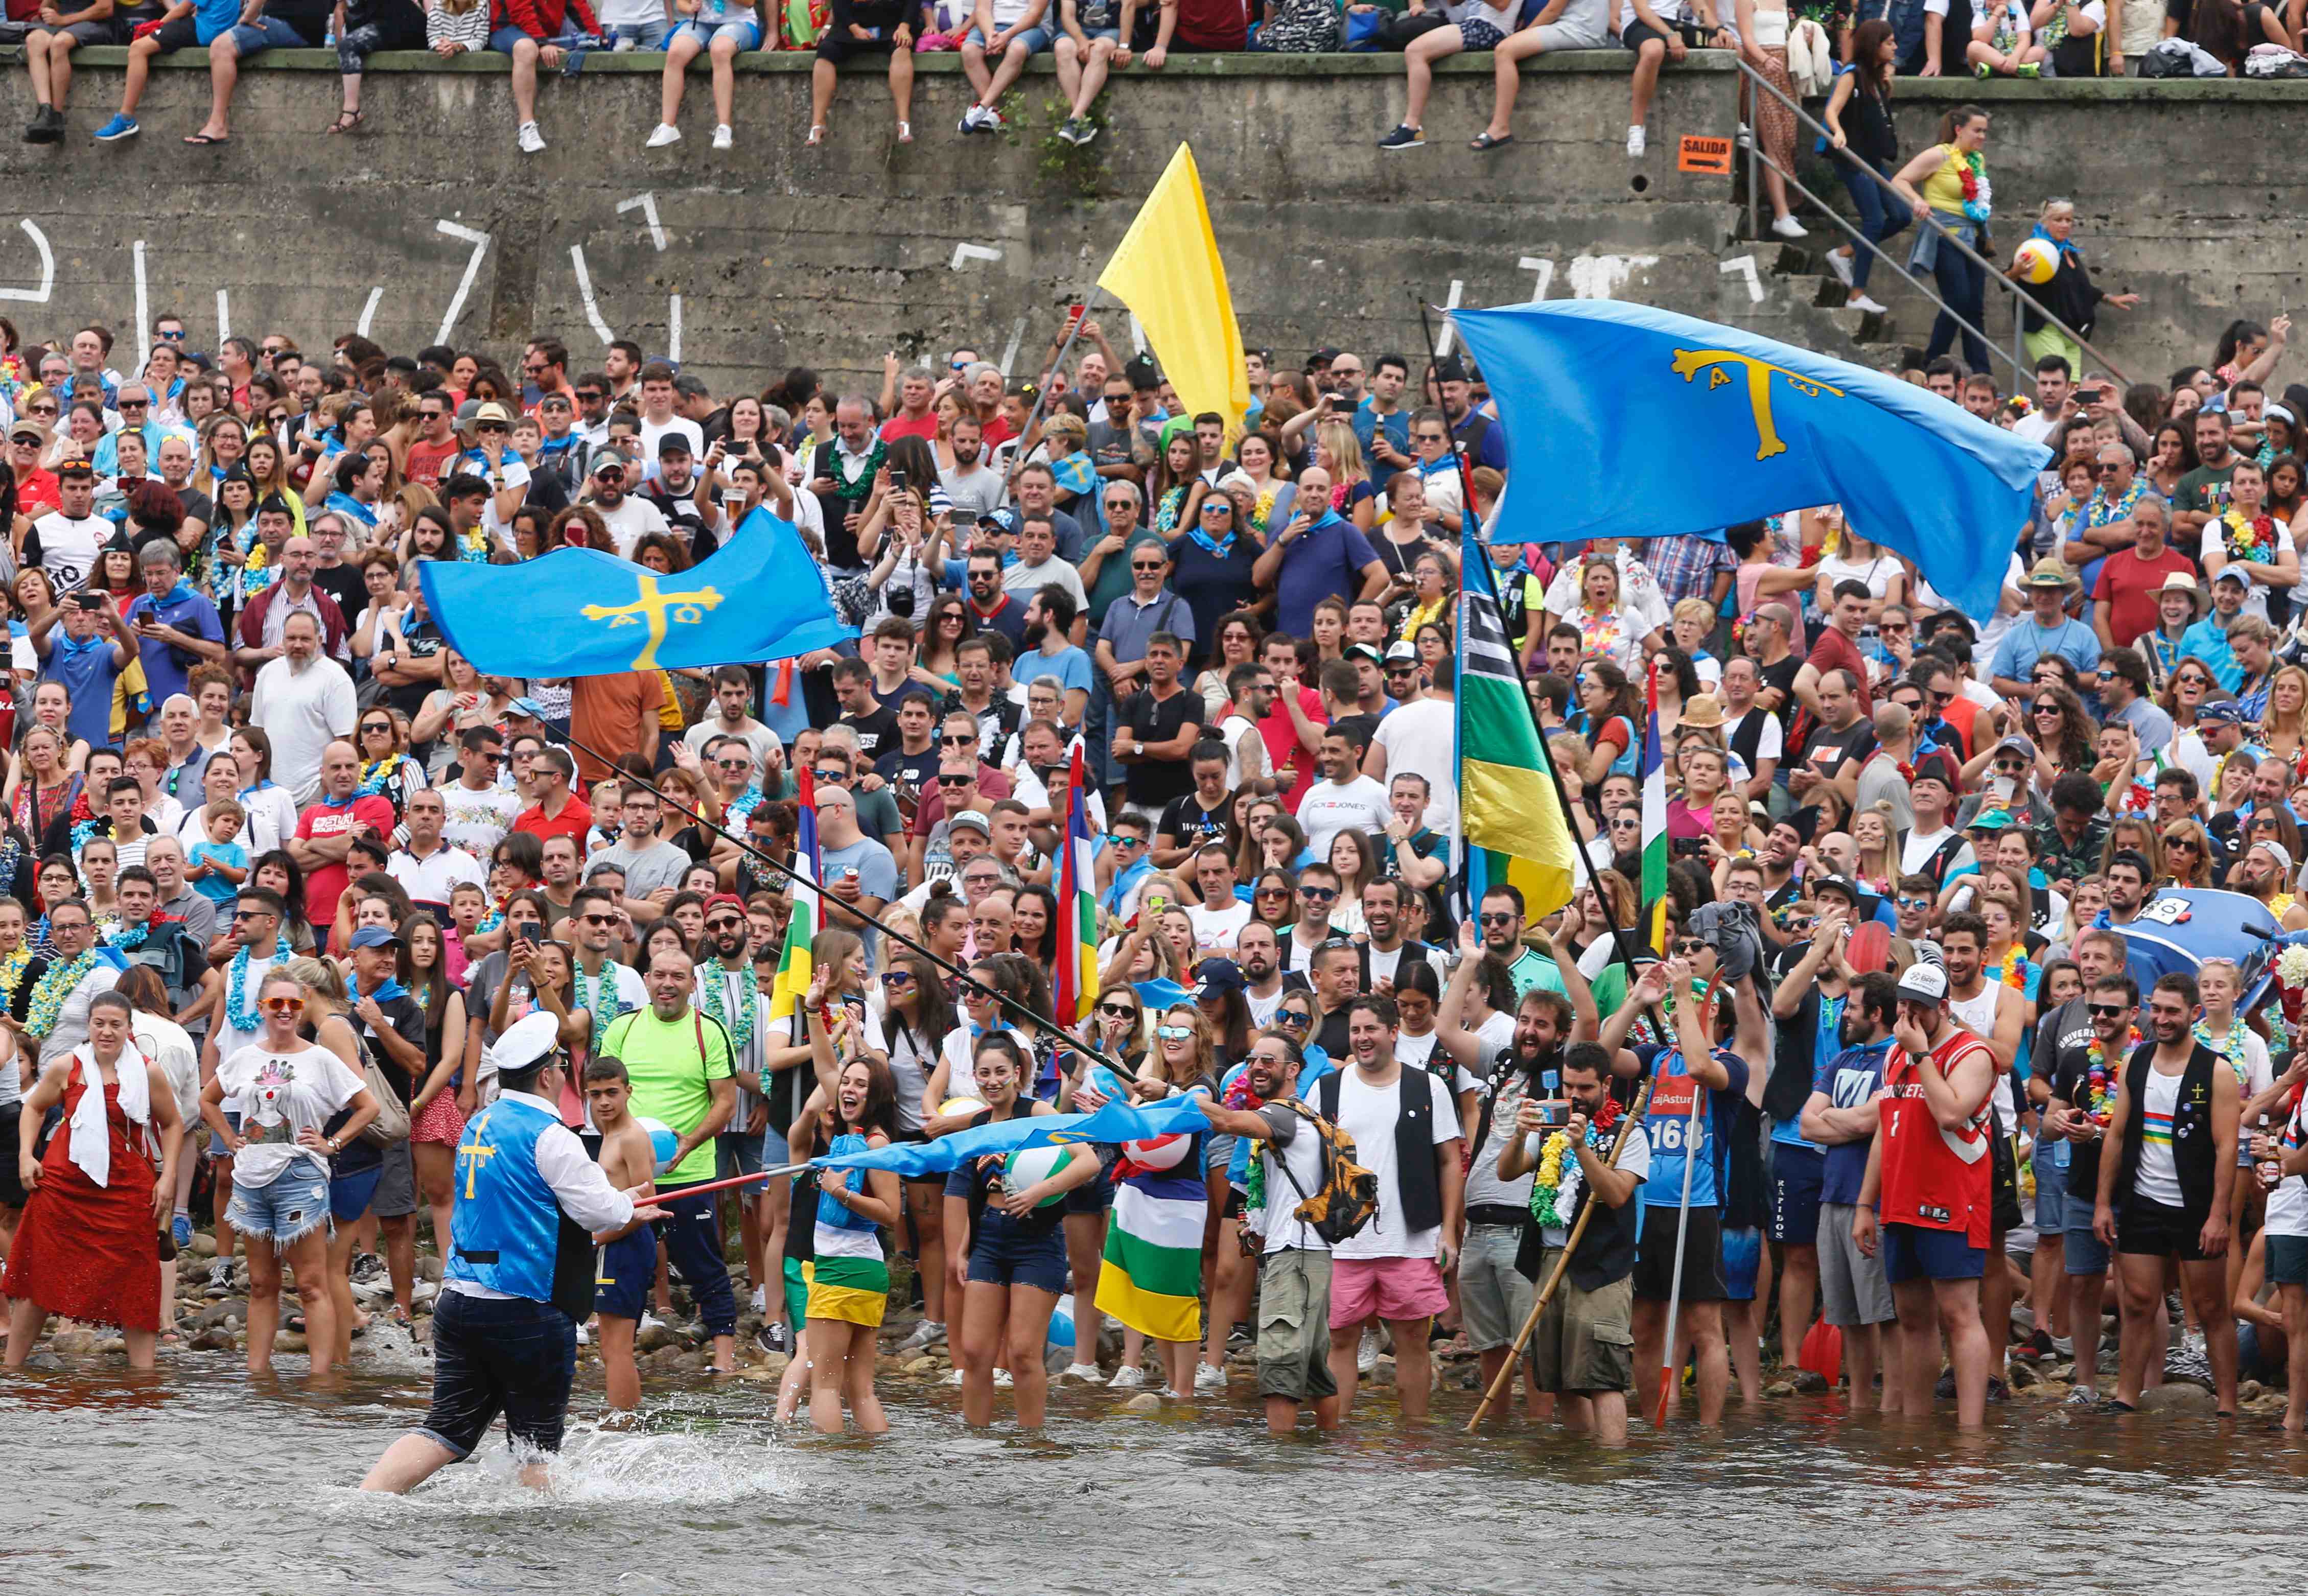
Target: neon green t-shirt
(674, 1065)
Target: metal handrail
(1992, 273)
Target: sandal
(346, 122)
(905, 132)
(201, 138)
(817, 134)
(1483, 141)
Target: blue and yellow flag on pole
(582, 613)
(1509, 817)
(1624, 421)
(1168, 272)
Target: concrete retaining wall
(429, 224)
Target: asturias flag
(1624, 421)
(1117, 1122)
(794, 963)
(1076, 987)
(582, 613)
(1509, 815)
(1655, 844)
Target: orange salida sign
(1700, 153)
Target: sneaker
(180, 1230)
(1870, 306)
(1635, 143)
(1997, 1391)
(928, 1333)
(2031, 69)
(1089, 1372)
(219, 1280)
(2035, 1348)
(648, 1321)
(989, 120)
(665, 133)
(969, 120)
(1840, 264)
(46, 126)
(777, 1336)
(1002, 1381)
(1787, 227)
(1403, 137)
(1366, 1354)
(530, 139)
(1981, 72)
(762, 1301)
(120, 127)
(722, 137)
(954, 1378)
(1084, 131)
(1069, 129)
(2082, 1397)
(367, 1269)
(1945, 1386)
(1128, 1378)
(1208, 1377)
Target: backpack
(1346, 1199)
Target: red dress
(85, 1251)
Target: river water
(194, 1480)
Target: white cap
(525, 1044)
(1924, 983)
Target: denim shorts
(1035, 39)
(350, 1194)
(499, 1355)
(2084, 1252)
(268, 33)
(293, 1206)
(745, 29)
(1918, 1252)
(1005, 1254)
(505, 40)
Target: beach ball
(2037, 262)
(1161, 1152)
(960, 1105)
(1028, 1165)
(1106, 1084)
(661, 1138)
(1061, 1332)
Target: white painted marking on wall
(647, 205)
(224, 316)
(1137, 335)
(673, 328)
(368, 311)
(585, 293)
(480, 242)
(38, 295)
(973, 251)
(1601, 276)
(1545, 269)
(144, 309)
(1450, 328)
(1010, 351)
(1745, 266)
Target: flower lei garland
(2013, 970)
(257, 570)
(473, 547)
(49, 992)
(2100, 1078)
(377, 775)
(2230, 1047)
(2254, 540)
(741, 1030)
(12, 971)
(602, 1002)
(1978, 193)
(1546, 1186)
(237, 1014)
(129, 941)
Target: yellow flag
(1168, 270)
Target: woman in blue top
(1212, 554)
(850, 1281)
(1008, 1252)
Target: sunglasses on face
(2047, 709)
(897, 978)
(724, 924)
(2189, 843)
(492, 426)
(1174, 1033)
(283, 1005)
(2108, 1010)
(1498, 918)
(1318, 895)
(1149, 565)
(599, 919)
(43, 409)
(590, 398)
(1273, 892)
(1297, 1019)
(1914, 903)
(1129, 841)
(177, 337)
(1687, 947)
(957, 739)
(955, 781)
(1117, 1011)
(372, 730)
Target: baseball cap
(375, 936)
(1218, 976)
(1990, 819)
(2226, 711)
(2023, 747)
(1837, 884)
(1361, 651)
(969, 819)
(528, 706)
(1400, 650)
(2233, 573)
(27, 432)
(673, 443)
(2275, 850)
(606, 457)
(1924, 983)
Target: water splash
(597, 1467)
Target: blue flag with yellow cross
(583, 613)
(1626, 421)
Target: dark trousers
(500, 1355)
(691, 1232)
(1880, 215)
(1964, 287)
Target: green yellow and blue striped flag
(1510, 818)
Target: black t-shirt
(906, 774)
(1367, 725)
(2072, 1085)
(343, 583)
(1153, 783)
(876, 732)
(1782, 676)
(1331, 1036)
(1828, 752)
(419, 639)
(1189, 825)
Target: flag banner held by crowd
(1511, 819)
(1075, 984)
(1168, 272)
(1152, 1278)
(794, 966)
(1625, 421)
(1115, 1122)
(584, 612)
(1655, 839)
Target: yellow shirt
(1943, 188)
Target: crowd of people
(297, 902)
(1797, 46)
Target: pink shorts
(1394, 1289)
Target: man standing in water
(520, 1272)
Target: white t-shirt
(1217, 927)
(69, 547)
(1330, 807)
(910, 1062)
(652, 431)
(1917, 850)
(477, 820)
(961, 1079)
(632, 520)
(1421, 739)
(279, 1097)
(2287, 1205)
(1368, 1114)
(1298, 1142)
